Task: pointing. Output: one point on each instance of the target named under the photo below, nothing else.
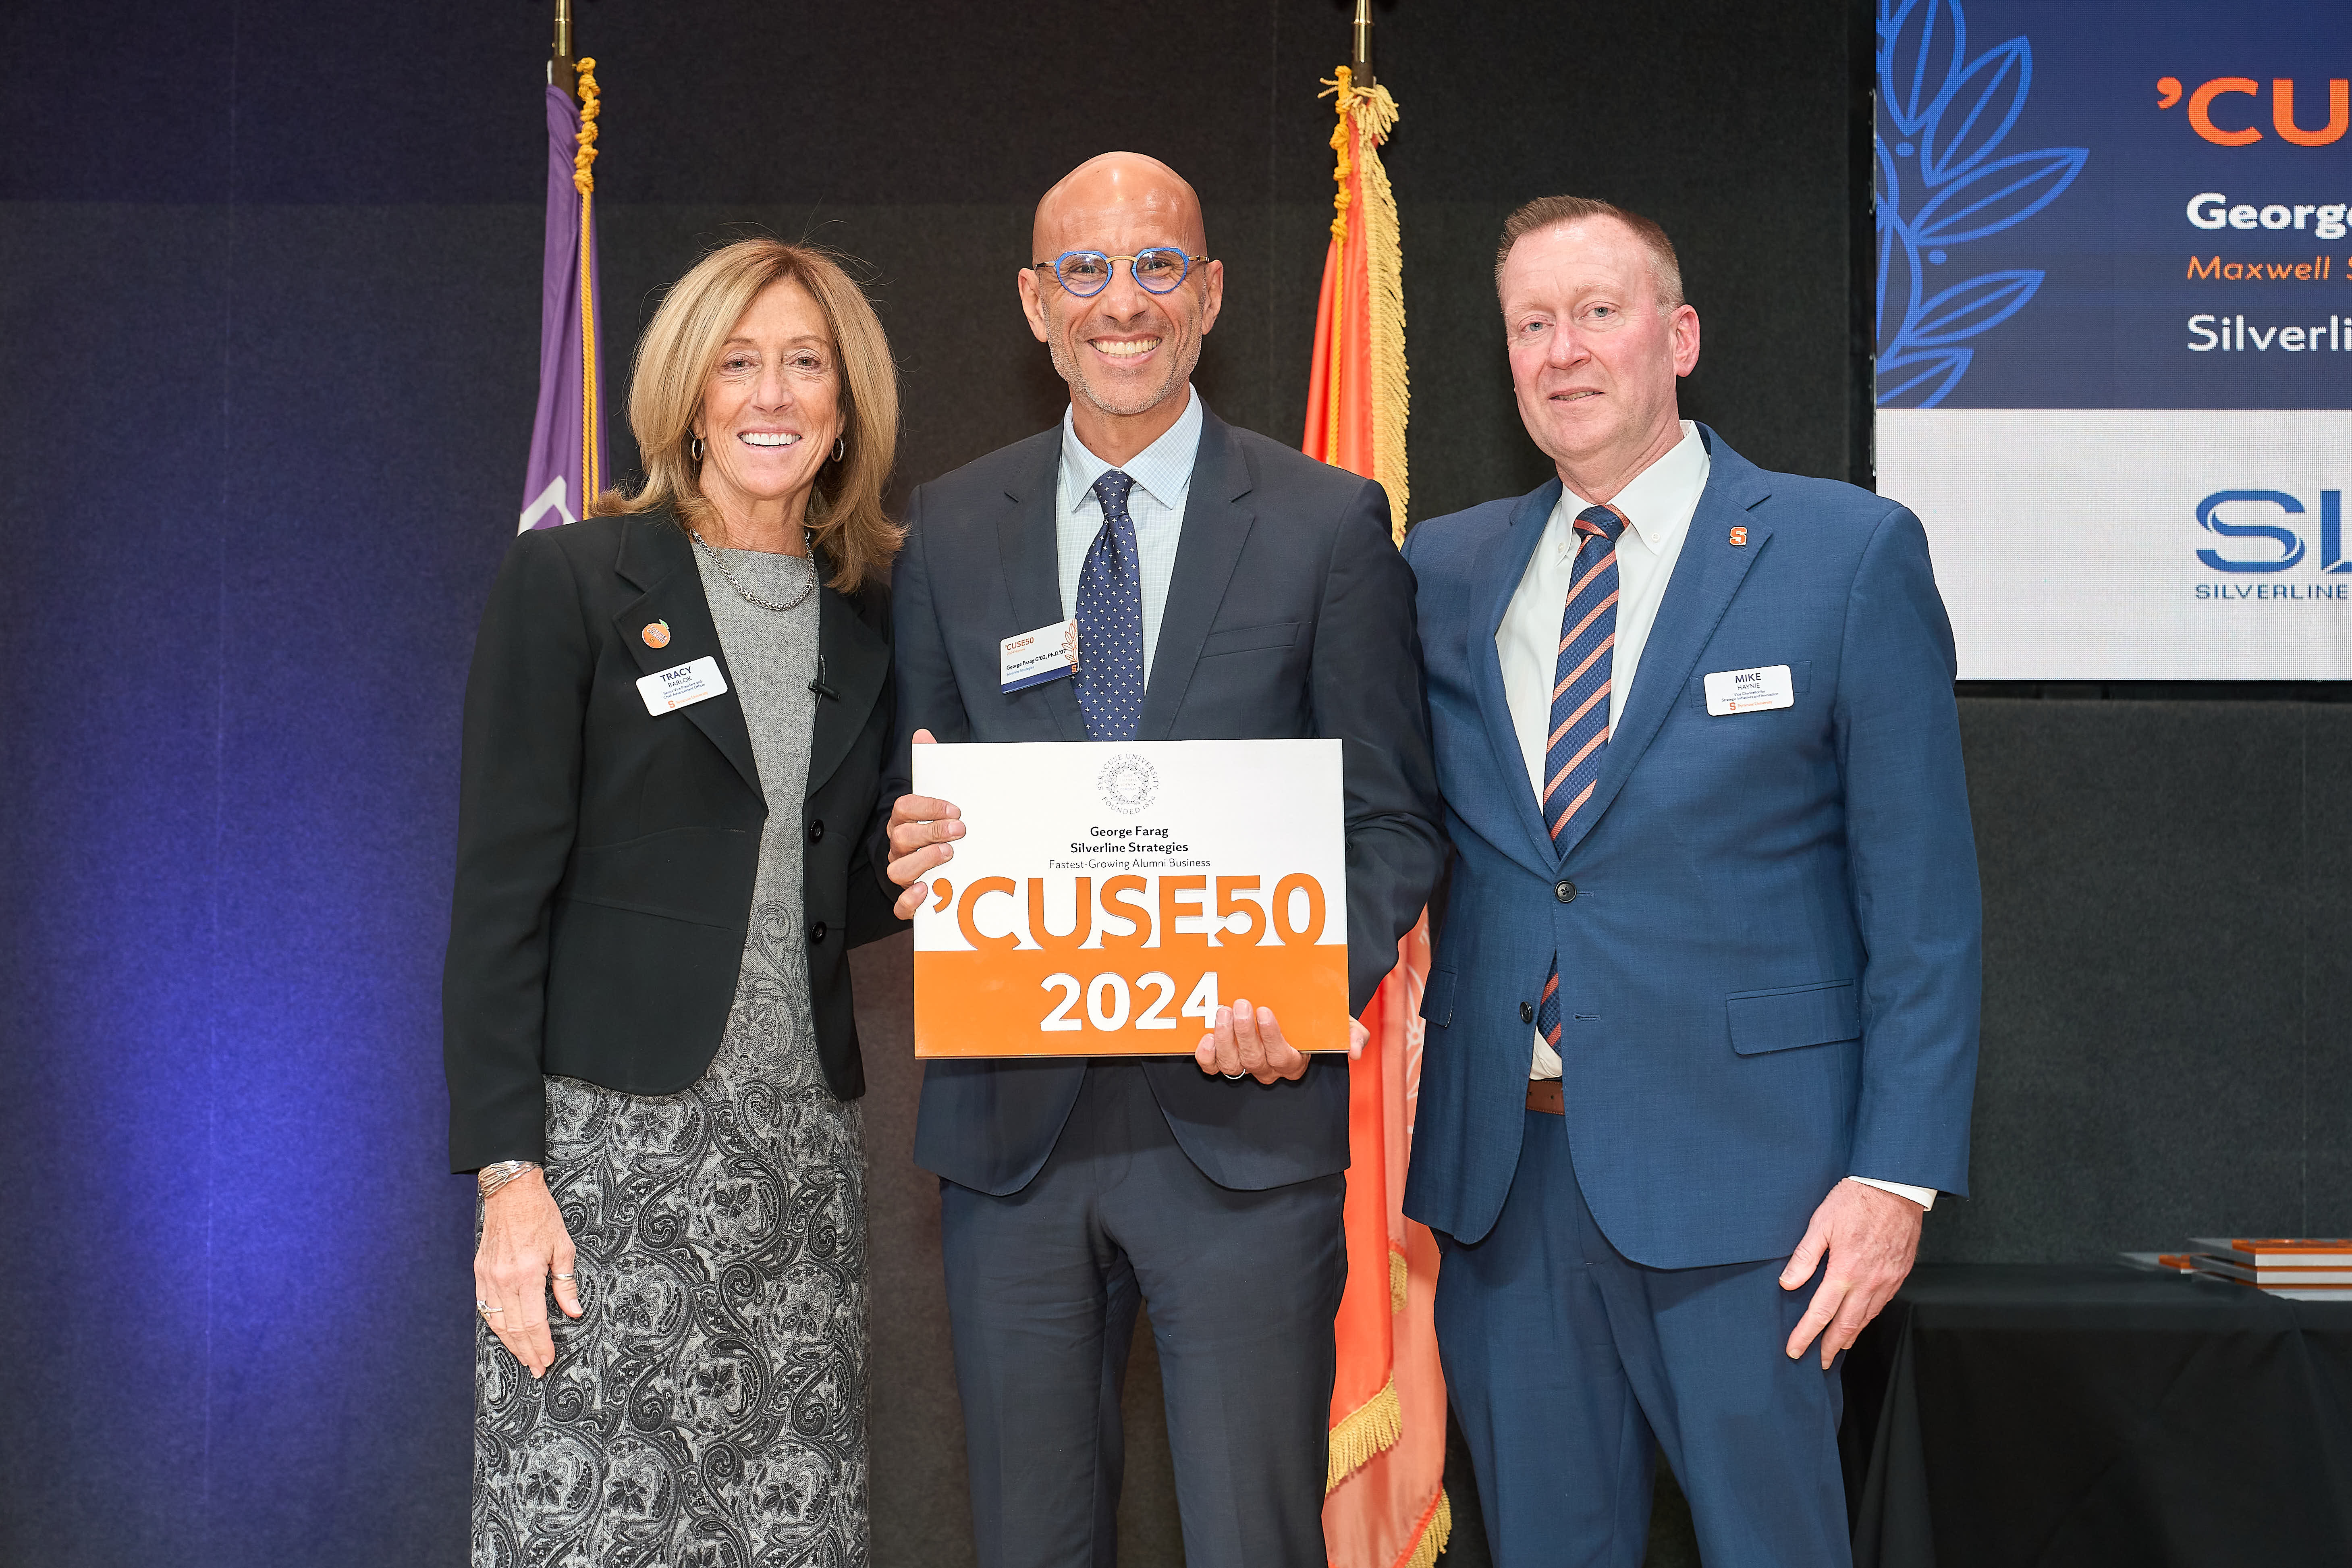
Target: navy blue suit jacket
(1766, 923)
(1289, 615)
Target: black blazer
(1289, 614)
(605, 856)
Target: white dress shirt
(1163, 473)
(1657, 505)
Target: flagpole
(565, 471)
(561, 72)
(1384, 1480)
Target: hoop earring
(839, 446)
(696, 447)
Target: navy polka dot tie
(1110, 620)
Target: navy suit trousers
(1570, 1367)
(1043, 1287)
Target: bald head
(1122, 191)
(1127, 350)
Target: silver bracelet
(492, 1177)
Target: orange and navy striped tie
(1580, 698)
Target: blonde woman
(673, 734)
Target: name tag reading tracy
(681, 685)
(1746, 691)
(1034, 657)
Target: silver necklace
(808, 544)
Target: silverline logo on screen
(2277, 520)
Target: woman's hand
(523, 1242)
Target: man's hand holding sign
(923, 832)
(1126, 888)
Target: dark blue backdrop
(269, 308)
(244, 499)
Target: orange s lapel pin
(1739, 536)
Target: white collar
(1660, 498)
(1164, 468)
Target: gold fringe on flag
(1343, 143)
(583, 179)
(1366, 115)
(1371, 1427)
(1436, 1530)
(1399, 1277)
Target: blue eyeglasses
(1087, 273)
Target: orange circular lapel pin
(656, 633)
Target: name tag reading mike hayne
(681, 685)
(1034, 657)
(1746, 691)
(1109, 897)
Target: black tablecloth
(2055, 1415)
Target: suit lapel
(1495, 578)
(1033, 577)
(655, 556)
(1707, 575)
(853, 661)
(1217, 524)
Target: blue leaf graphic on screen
(1940, 183)
(1975, 110)
(1967, 309)
(1920, 44)
(1898, 282)
(1990, 199)
(1921, 379)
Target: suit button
(816, 831)
(1526, 1011)
(1564, 891)
(817, 931)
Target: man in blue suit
(1702, 1021)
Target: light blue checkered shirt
(1163, 473)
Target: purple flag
(567, 437)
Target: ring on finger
(573, 1276)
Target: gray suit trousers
(1042, 1289)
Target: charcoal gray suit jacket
(606, 857)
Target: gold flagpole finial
(561, 71)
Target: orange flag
(1385, 1498)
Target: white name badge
(1745, 690)
(1032, 658)
(681, 685)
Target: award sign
(1107, 897)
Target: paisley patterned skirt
(707, 1409)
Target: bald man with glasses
(1225, 587)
